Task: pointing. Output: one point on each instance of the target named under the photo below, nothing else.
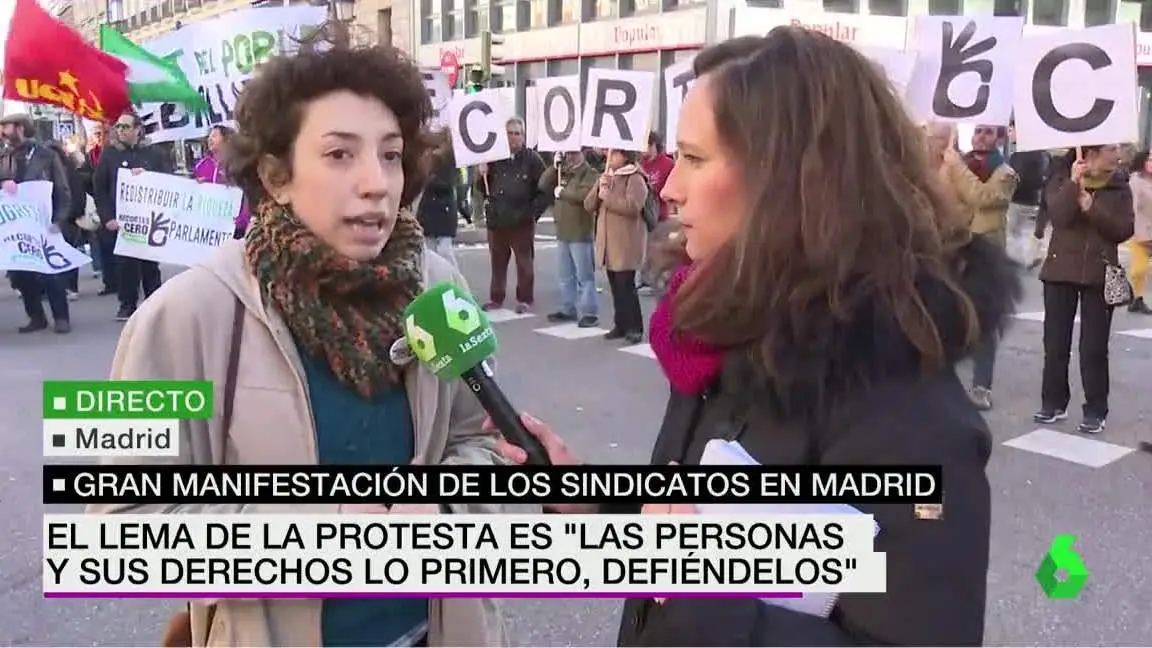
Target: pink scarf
(690, 364)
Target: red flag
(47, 62)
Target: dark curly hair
(270, 110)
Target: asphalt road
(607, 401)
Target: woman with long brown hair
(818, 322)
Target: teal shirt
(351, 430)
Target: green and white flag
(151, 78)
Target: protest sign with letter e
(477, 123)
(558, 107)
(678, 80)
(1077, 87)
(964, 68)
(440, 92)
(618, 109)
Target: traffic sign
(450, 65)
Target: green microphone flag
(447, 331)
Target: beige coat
(985, 203)
(620, 230)
(183, 332)
(1142, 204)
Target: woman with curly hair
(294, 324)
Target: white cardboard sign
(964, 67)
(558, 108)
(678, 80)
(477, 122)
(1077, 87)
(440, 92)
(618, 109)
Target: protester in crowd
(328, 145)
(818, 324)
(129, 152)
(595, 158)
(1140, 247)
(570, 180)
(28, 160)
(618, 202)
(1090, 205)
(1030, 168)
(442, 202)
(102, 241)
(512, 205)
(209, 169)
(657, 165)
(70, 227)
(984, 184)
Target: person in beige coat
(312, 301)
(618, 202)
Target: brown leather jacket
(1082, 240)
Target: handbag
(89, 221)
(1117, 289)
(178, 634)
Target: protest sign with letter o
(558, 100)
(618, 109)
(1077, 87)
(964, 68)
(477, 122)
(678, 80)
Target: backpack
(651, 211)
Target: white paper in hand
(720, 452)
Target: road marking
(1140, 333)
(572, 332)
(504, 315)
(642, 350)
(1036, 316)
(1069, 447)
(541, 244)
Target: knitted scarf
(342, 312)
(691, 365)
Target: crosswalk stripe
(498, 315)
(642, 350)
(1140, 333)
(1069, 447)
(572, 332)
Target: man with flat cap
(27, 160)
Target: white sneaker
(73, 295)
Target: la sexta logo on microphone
(159, 227)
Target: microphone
(447, 331)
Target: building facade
(544, 38)
(143, 20)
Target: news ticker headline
(71, 484)
(397, 555)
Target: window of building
(944, 7)
(1099, 12)
(633, 7)
(479, 18)
(504, 12)
(1008, 8)
(565, 12)
(537, 14)
(605, 8)
(841, 6)
(384, 26)
(888, 7)
(1145, 17)
(1050, 12)
(431, 27)
(456, 13)
(766, 4)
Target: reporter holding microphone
(817, 321)
(295, 324)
